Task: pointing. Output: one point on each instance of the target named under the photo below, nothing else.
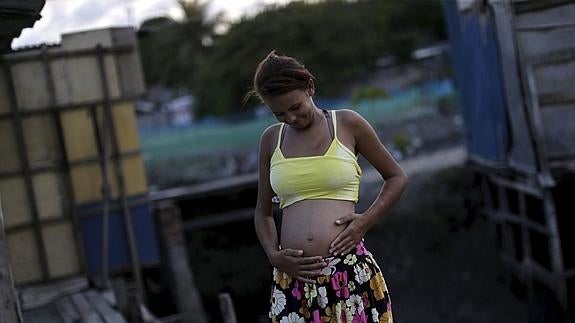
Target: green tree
(172, 51)
(337, 40)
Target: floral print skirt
(351, 289)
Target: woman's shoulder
(269, 135)
(271, 131)
(349, 117)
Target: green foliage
(172, 51)
(401, 142)
(337, 40)
(367, 93)
(448, 104)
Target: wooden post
(9, 310)
(187, 294)
(227, 308)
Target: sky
(64, 16)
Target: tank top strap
(280, 134)
(334, 121)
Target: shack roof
(16, 15)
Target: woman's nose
(290, 118)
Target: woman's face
(295, 108)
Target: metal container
(70, 142)
(118, 247)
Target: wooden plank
(525, 6)
(512, 218)
(556, 98)
(222, 185)
(9, 311)
(108, 314)
(227, 308)
(40, 295)
(87, 312)
(67, 310)
(522, 154)
(545, 12)
(553, 78)
(559, 131)
(187, 295)
(212, 220)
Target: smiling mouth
(298, 124)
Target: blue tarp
(119, 255)
(476, 62)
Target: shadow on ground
(439, 259)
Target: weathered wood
(103, 308)
(227, 308)
(9, 311)
(36, 296)
(217, 186)
(125, 299)
(212, 220)
(187, 294)
(67, 311)
(87, 312)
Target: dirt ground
(440, 262)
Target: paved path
(433, 161)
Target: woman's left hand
(351, 235)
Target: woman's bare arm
(290, 261)
(368, 145)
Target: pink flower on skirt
(316, 318)
(360, 249)
(359, 318)
(339, 284)
(296, 291)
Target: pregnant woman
(322, 270)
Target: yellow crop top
(333, 175)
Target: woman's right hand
(293, 263)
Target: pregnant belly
(310, 225)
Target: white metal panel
(15, 201)
(61, 250)
(40, 139)
(8, 147)
(49, 193)
(24, 256)
(30, 85)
